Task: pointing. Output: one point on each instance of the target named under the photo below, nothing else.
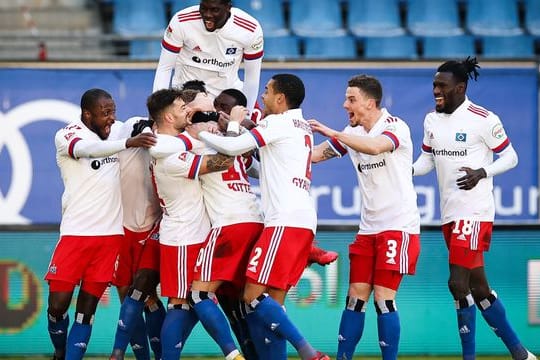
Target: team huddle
(166, 200)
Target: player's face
(357, 105)
(214, 13)
(269, 98)
(448, 93)
(179, 112)
(225, 103)
(100, 117)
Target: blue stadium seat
(269, 13)
(433, 17)
(443, 47)
(508, 47)
(320, 18)
(177, 5)
(493, 17)
(330, 48)
(391, 47)
(374, 18)
(281, 48)
(532, 17)
(144, 49)
(142, 17)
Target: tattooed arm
(322, 152)
(215, 162)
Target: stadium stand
(443, 47)
(391, 47)
(532, 17)
(281, 48)
(269, 13)
(322, 19)
(508, 47)
(330, 48)
(374, 18)
(493, 17)
(433, 18)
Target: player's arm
(162, 78)
(252, 73)
(167, 145)
(424, 164)
(322, 152)
(507, 159)
(252, 166)
(229, 145)
(215, 162)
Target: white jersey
(91, 202)
(285, 143)
(139, 200)
(228, 196)
(213, 57)
(467, 137)
(387, 192)
(184, 221)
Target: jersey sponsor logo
(230, 51)
(96, 164)
(371, 166)
(498, 131)
(461, 137)
(11, 137)
(449, 153)
(213, 61)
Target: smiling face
(214, 13)
(448, 92)
(358, 106)
(178, 114)
(100, 117)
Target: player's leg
(177, 326)
(154, 314)
(60, 295)
(493, 311)
(273, 270)
(131, 310)
(79, 335)
(320, 256)
(361, 271)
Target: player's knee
(458, 288)
(146, 280)
(385, 306)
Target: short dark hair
(224, 2)
(292, 87)
(90, 97)
(198, 85)
(462, 70)
(368, 85)
(237, 95)
(159, 100)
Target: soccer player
(141, 213)
(91, 227)
(388, 242)
(460, 138)
(208, 42)
(185, 223)
(284, 139)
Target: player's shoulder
(187, 15)
(477, 111)
(242, 20)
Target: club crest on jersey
(230, 51)
(462, 137)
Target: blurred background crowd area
(295, 30)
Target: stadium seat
(177, 5)
(442, 47)
(433, 18)
(374, 18)
(142, 17)
(391, 47)
(269, 13)
(508, 47)
(532, 16)
(144, 49)
(330, 48)
(281, 48)
(320, 18)
(493, 17)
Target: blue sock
(130, 315)
(257, 334)
(155, 315)
(79, 336)
(492, 309)
(236, 312)
(388, 328)
(273, 316)
(179, 322)
(466, 317)
(58, 331)
(213, 320)
(139, 340)
(268, 344)
(351, 328)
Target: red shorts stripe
(177, 269)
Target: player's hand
(145, 139)
(471, 178)
(223, 121)
(321, 128)
(210, 126)
(139, 126)
(238, 113)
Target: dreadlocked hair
(462, 70)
